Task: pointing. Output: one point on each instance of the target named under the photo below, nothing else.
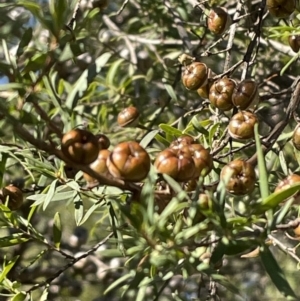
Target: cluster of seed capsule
(184, 160)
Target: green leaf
(7, 268)
(170, 131)
(60, 196)
(58, 10)
(276, 274)
(198, 126)
(50, 194)
(289, 63)
(12, 240)
(21, 296)
(3, 161)
(44, 296)
(89, 212)
(276, 198)
(112, 72)
(66, 54)
(11, 86)
(57, 230)
(263, 175)
(226, 283)
(283, 162)
(79, 209)
(161, 139)
(119, 281)
(85, 79)
(171, 91)
(148, 138)
(26, 38)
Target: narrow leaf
(276, 198)
(26, 38)
(263, 175)
(79, 210)
(57, 230)
(276, 274)
(171, 92)
(50, 194)
(169, 130)
(119, 281)
(85, 79)
(148, 138)
(21, 296)
(12, 240)
(7, 268)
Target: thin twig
(70, 264)
(75, 13)
(289, 251)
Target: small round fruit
(218, 20)
(129, 161)
(245, 94)
(202, 159)
(181, 141)
(13, 196)
(195, 76)
(294, 42)
(177, 163)
(281, 8)
(80, 146)
(241, 125)
(103, 141)
(296, 137)
(239, 177)
(129, 117)
(204, 90)
(99, 166)
(220, 93)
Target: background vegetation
(76, 64)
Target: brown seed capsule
(220, 93)
(296, 137)
(240, 177)
(281, 8)
(13, 196)
(129, 161)
(287, 182)
(245, 94)
(103, 140)
(202, 159)
(181, 141)
(294, 42)
(241, 125)
(80, 146)
(218, 20)
(99, 166)
(204, 90)
(129, 117)
(177, 163)
(195, 76)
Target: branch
(277, 130)
(70, 264)
(289, 251)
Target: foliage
(76, 64)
